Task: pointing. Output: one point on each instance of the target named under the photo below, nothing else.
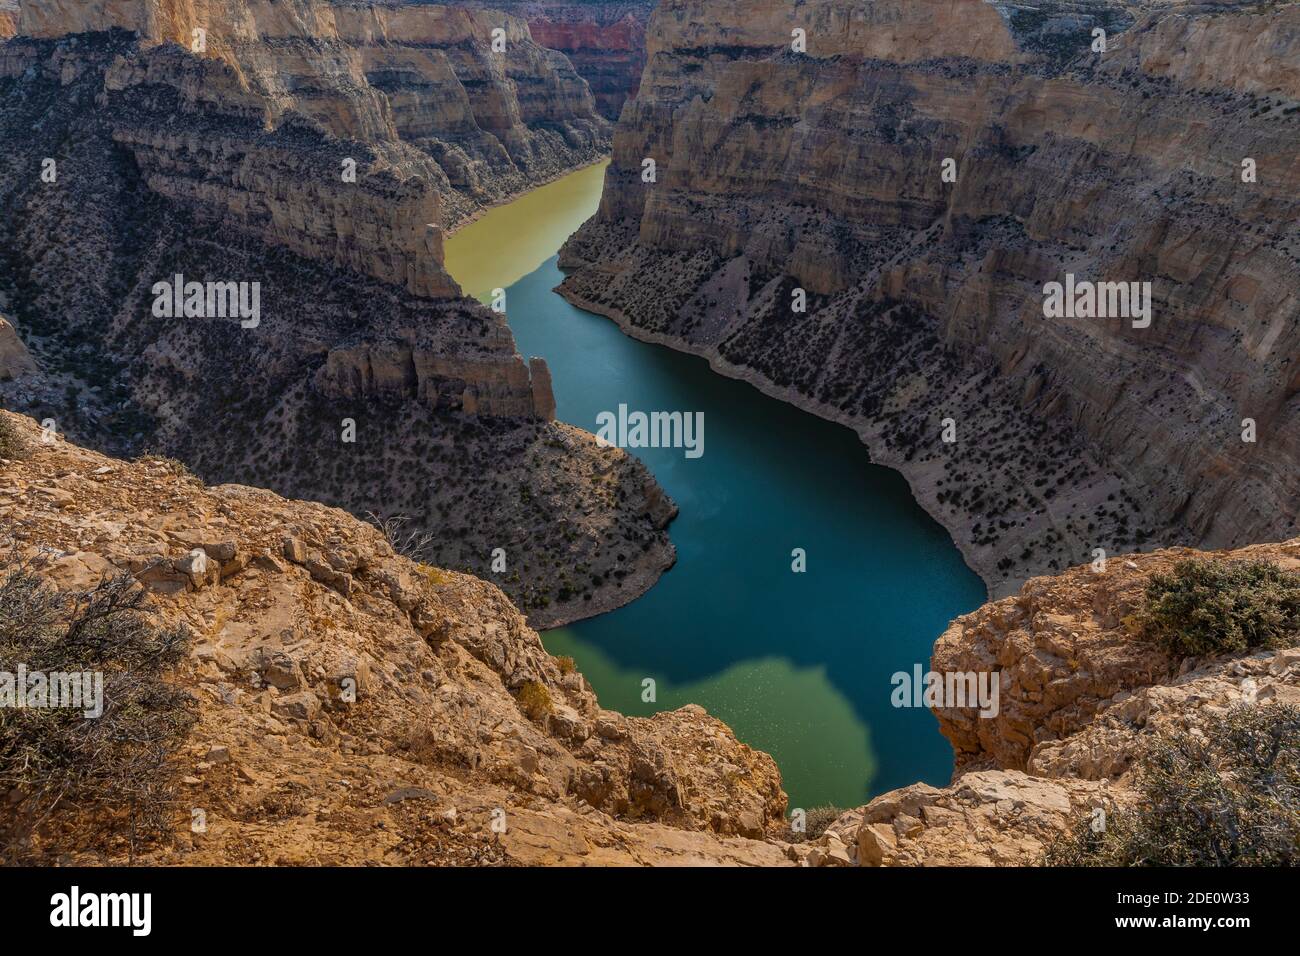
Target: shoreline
(656, 562)
(635, 586)
(506, 200)
(995, 585)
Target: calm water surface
(798, 665)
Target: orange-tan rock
(15, 360)
(357, 707)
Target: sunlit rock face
(1169, 159)
(494, 110)
(462, 708)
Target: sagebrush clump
(1209, 607)
(1229, 797)
(816, 820)
(78, 783)
(12, 444)
(535, 700)
(173, 466)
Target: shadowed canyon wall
(777, 171)
(494, 123)
(293, 156)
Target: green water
(512, 240)
(798, 664)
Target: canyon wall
(605, 40)
(363, 379)
(493, 122)
(1169, 158)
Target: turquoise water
(798, 664)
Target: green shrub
(1206, 607)
(73, 782)
(1229, 798)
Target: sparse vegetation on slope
(1228, 797)
(88, 783)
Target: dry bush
(69, 782)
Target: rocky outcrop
(820, 174)
(478, 387)
(605, 41)
(1066, 656)
(327, 354)
(986, 818)
(15, 360)
(355, 706)
(1080, 698)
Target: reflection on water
(798, 664)
(768, 699)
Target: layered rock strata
(490, 120)
(784, 179)
(360, 378)
(605, 41)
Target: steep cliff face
(357, 708)
(326, 353)
(1170, 158)
(605, 40)
(493, 121)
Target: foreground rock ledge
(291, 603)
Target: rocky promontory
(355, 706)
(1083, 697)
